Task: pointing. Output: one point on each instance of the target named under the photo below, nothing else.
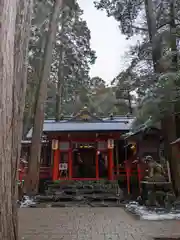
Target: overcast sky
(108, 42)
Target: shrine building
(82, 140)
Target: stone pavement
(90, 223)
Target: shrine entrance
(84, 160)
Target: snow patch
(152, 214)
(27, 202)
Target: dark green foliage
(124, 11)
(155, 89)
(72, 56)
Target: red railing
(131, 169)
(45, 173)
(128, 170)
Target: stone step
(105, 204)
(81, 197)
(82, 184)
(81, 193)
(70, 191)
(42, 198)
(83, 188)
(84, 204)
(69, 204)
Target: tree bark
(152, 30)
(173, 31)
(59, 94)
(174, 62)
(35, 152)
(174, 123)
(60, 83)
(23, 26)
(8, 223)
(171, 153)
(168, 123)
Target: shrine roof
(104, 119)
(147, 128)
(68, 126)
(84, 121)
(177, 141)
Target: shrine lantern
(133, 147)
(110, 143)
(55, 144)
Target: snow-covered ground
(152, 214)
(143, 212)
(27, 202)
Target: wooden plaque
(110, 143)
(63, 166)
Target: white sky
(108, 42)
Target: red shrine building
(74, 148)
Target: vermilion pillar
(70, 161)
(110, 164)
(97, 165)
(56, 164)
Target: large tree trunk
(23, 25)
(60, 83)
(174, 124)
(174, 62)
(152, 30)
(32, 91)
(35, 152)
(168, 129)
(168, 123)
(173, 32)
(172, 153)
(7, 37)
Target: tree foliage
(154, 88)
(72, 57)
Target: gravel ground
(90, 223)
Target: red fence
(45, 173)
(128, 170)
(131, 169)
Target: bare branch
(139, 28)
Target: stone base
(82, 193)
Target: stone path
(90, 224)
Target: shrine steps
(82, 193)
